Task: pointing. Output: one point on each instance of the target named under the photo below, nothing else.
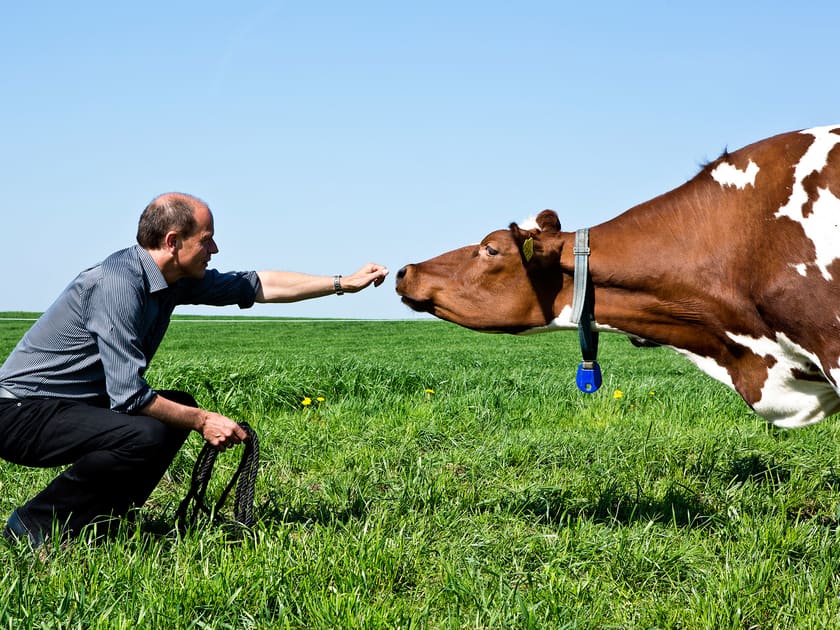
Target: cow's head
(509, 282)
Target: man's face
(195, 250)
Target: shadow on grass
(613, 503)
(679, 505)
(556, 506)
(757, 469)
(324, 512)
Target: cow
(738, 269)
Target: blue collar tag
(588, 377)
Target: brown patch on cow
(831, 173)
(834, 267)
(777, 162)
(750, 373)
(828, 177)
(811, 184)
(789, 244)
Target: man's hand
(217, 430)
(221, 432)
(370, 273)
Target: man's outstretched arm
(291, 286)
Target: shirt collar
(153, 273)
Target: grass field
(441, 478)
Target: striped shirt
(96, 340)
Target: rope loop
(244, 479)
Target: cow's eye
(492, 250)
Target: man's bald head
(166, 213)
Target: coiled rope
(244, 479)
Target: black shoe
(16, 531)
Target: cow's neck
(663, 292)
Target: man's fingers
(221, 442)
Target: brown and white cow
(738, 269)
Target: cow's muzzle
(404, 289)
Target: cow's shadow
(611, 504)
(546, 505)
(679, 505)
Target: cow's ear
(520, 236)
(547, 247)
(537, 247)
(548, 222)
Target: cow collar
(588, 377)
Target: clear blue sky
(327, 134)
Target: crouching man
(73, 393)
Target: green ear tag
(528, 249)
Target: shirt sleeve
(220, 289)
(114, 317)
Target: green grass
(502, 498)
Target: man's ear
(170, 240)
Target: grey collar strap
(581, 274)
(588, 377)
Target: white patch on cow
(787, 401)
(822, 225)
(726, 174)
(563, 321)
(529, 224)
(801, 269)
(707, 365)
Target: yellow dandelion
(320, 399)
(306, 401)
(618, 394)
(430, 391)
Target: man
(73, 390)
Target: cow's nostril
(401, 274)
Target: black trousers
(115, 460)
